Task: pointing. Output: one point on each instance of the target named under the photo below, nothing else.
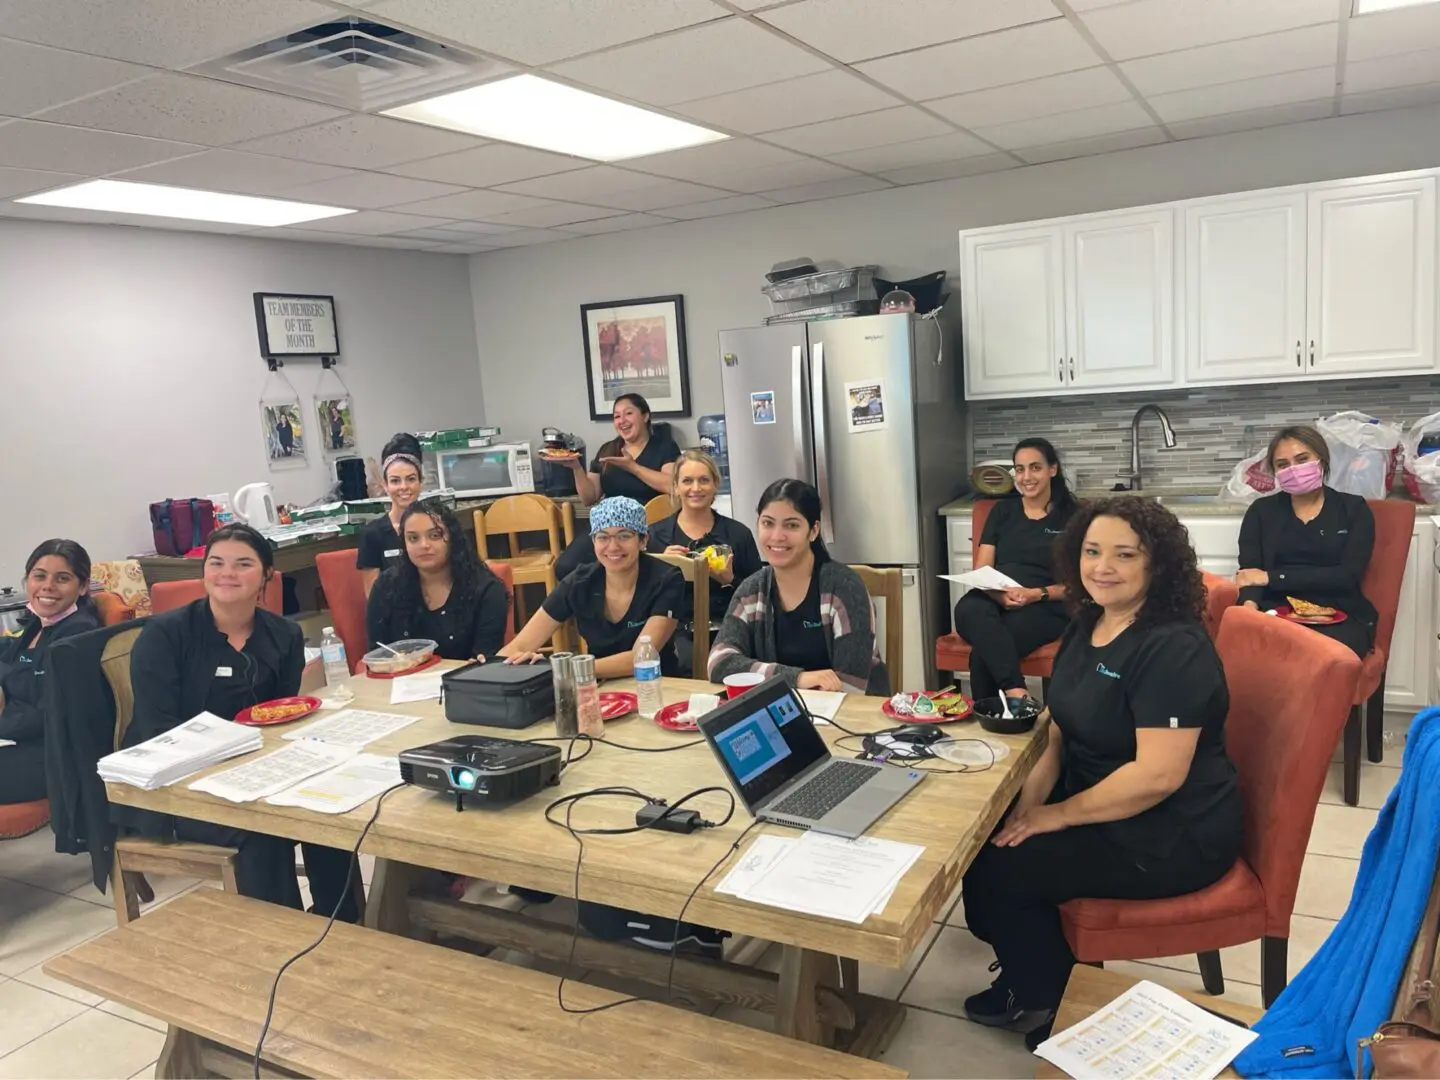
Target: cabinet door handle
(1312, 354)
(1297, 355)
(1061, 364)
(1072, 369)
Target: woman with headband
(380, 543)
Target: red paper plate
(617, 703)
(889, 710)
(1284, 612)
(669, 717)
(401, 674)
(311, 703)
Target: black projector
(482, 770)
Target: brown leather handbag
(1408, 1047)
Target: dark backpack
(180, 525)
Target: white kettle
(254, 504)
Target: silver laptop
(783, 771)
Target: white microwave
(483, 471)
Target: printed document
(343, 788)
(353, 728)
(834, 877)
(823, 704)
(415, 688)
(984, 577)
(200, 742)
(764, 851)
(273, 772)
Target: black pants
(1013, 895)
(1001, 637)
(1356, 635)
(265, 867)
(22, 773)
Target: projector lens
(464, 778)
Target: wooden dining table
(814, 996)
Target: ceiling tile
(556, 213)
(804, 171)
(700, 163)
(1388, 33)
(478, 228)
(231, 170)
(486, 166)
(1080, 124)
(851, 30)
(1038, 97)
(1089, 147)
(439, 236)
(620, 223)
(370, 191)
(1390, 72)
(1314, 85)
(1159, 26)
(373, 223)
(527, 237)
(1250, 119)
(472, 205)
(1248, 58)
(1091, 5)
(294, 233)
(543, 31)
(363, 142)
(30, 144)
(860, 132)
(950, 170)
(1403, 97)
(733, 205)
(1027, 52)
(756, 5)
(34, 77)
(580, 184)
(694, 63)
(15, 182)
(883, 159)
(788, 104)
(191, 109)
(659, 196)
(400, 242)
(826, 189)
(165, 33)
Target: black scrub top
(22, 672)
(660, 590)
(799, 634)
(658, 452)
(1166, 676)
(380, 545)
(182, 666)
(464, 629)
(1024, 549)
(725, 530)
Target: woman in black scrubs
(439, 590)
(57, 578)
(220, 655)
(1309, 541)
(615, 601)
(1133, 796)
(1019, 538)
(380, 546)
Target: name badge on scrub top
(223, 672)
(393, 553)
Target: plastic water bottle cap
(328, 630)
(645, 638)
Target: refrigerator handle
(822, 453)
(797, 391)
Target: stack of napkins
(194, 745)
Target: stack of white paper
(823, 705)
(821, 875)
(344, 787)
(983, 577)
(353, 728)
(194, 745)
(274, 772)
(424, 687)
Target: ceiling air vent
(355, 64)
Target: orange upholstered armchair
(345, 597)
(168, 595)
(1221, 593)
(1290, 692)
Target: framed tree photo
(637, 347)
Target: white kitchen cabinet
(1371, 283)
(1216, 541)
(1244, 278)
(1408, 685)
(1014, 317)
(957, 531)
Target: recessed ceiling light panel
(1368, 7)
(162, 200)
(550, 116)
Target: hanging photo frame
(282, 423)
(334, 414)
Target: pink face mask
(51, 621)
(1301, 479)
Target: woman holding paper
(219, 655)
(1002, 626)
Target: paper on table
(343, 788)
(834, 877)
(823, 704)
(1147, 1031)
(273, 772)
(983, 577)
(415, 688)
(7, 742)
(353, 728)
(764, 851)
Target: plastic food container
(407, 654)
(1024, 712)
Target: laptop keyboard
(826, 790)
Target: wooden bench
(367, 1003)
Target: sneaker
(1037, 1035)
(995, 1007)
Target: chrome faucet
(1165, 429)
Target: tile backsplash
(1214, 426)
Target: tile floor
(50, 1029)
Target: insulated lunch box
(499, 695)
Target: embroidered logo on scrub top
(634, 624)
(1053, 532)
(1103, 670)
(808, 625)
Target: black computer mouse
(917, 734)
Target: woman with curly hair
(438, 590)
(1133, 797)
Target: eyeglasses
(619, 536)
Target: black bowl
(1024, 712)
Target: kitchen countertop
(962, 507)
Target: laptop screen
(763, 739)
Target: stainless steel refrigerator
(869, 411)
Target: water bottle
(332, 654)
(647, 678)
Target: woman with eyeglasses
(1002, 626)
(621, 597)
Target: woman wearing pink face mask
(1308, 541)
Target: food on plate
(556, 454)
(272, 714)
(1306, 610)
(951, 703)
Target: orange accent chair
(1221, 593)
(507, 578)
(1290, 690)
(168, 595)
(22, 819)
(345, 597)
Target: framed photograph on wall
(284, 434)
(637, 347)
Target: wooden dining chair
(514, 517)
(658, 509)
(885, 585)
(697, 572)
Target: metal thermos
(567, 721)
(587, 697)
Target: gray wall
(130, 369)
(527, 300)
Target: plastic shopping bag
(1363, 453)
(1420, 454)
(1248, 481)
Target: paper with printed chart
(343, 788)
(273, 772)
(353, 728)
(764, 851)
(1147, 1032)
(834, 877)
(200, 742)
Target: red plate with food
(280, 711)
(674, 717)
(949, 707)
(617, 703)
(559, 455)
(401, 674)
(1289, 614)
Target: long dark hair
(616, 446)
(248, 535)
(805, 499)
(1062, 499)
(74, 555)
(468, 575)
